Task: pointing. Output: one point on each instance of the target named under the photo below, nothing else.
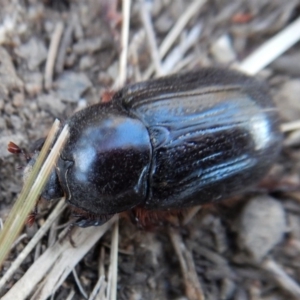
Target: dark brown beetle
(169, 143)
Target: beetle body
(169, 143)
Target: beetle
(168, 143)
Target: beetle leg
(86, 219)
(86, 222)
(91, 220)
(150, 219)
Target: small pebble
(71, 85)
(8, 75)
(33, 83)
(287, 100)
(18, 100)
(86, 62)
(52, 103)
(261, 226)
(34, 52)
(90, 45)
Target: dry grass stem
(190, 12)
(79, 285)
(71, 295)
(290, 126)
(56, 263)
(29, 194)
(18, 240)
(52, 235)
(33, 242)
(136, 43)
(179, 51)
(223, 51)
(65, 43)
(53, 49)
(113, 268)
(191, 214)
(193, 287)
(101, 269)
(170, 39)
(126, 4)
(185, 62)
(148, 25)
(271, 49)
(97, 288)
(37, 250)
(284, 280)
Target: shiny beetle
(168, 143)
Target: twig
(56, 263)
(71, 295)
(189, 13)
(170, 39)
(193, 287)
(124, 43)
(65, 43)
(178, 52)
(222, 50)
(55, 39)
(283, 279)
(18, 240)
(147, 22)
(31, 191)
(101, 294)
(52, 236)
(290, 126)
(97, 288)
(136, 43)
(37, 250)
(271, 49)
(191, 213)
(122, 251)
(101, 269)
(79, 285)
(113, 268)
(185, 62)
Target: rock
(288, 64)
(2, 124)
(52, 103)
(33, 83)
(91, 45)
(86, 62)
(18, 100)
(1, 103)
(8, 76)
(287, 100)
(16, 122)
(70, 86)
(34, 52)
(261, 226)
(164, 23)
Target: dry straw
(31, 190)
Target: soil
(232, 244)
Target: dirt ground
(244, 248)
